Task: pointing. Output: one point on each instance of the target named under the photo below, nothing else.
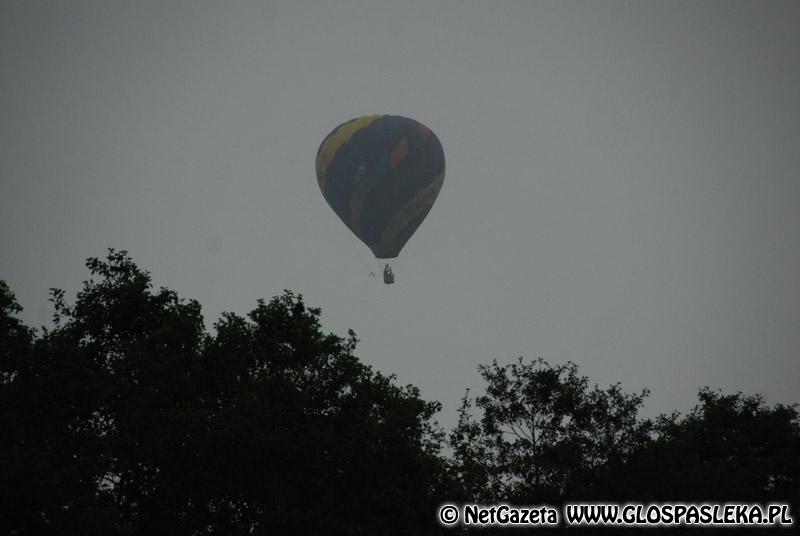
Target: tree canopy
(127, 416)
(544, 435)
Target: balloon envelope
(381, 175)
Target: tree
(728, 447)
(48, 448)
(128, 417)
(543, 435)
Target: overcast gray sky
(622, 189)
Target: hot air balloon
(381, 174)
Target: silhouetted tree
(729, 447)
(127, 417)
(544, 435)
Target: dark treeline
(128, 417)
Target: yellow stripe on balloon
(335, 141)
(412, 208)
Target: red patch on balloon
(398, 153)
